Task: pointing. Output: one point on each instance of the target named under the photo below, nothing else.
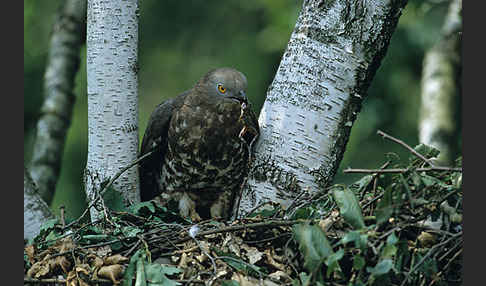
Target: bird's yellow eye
(221, 88)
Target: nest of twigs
(398, 225)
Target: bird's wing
(155, 139)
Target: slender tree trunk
(332, 55)
(440, 88)
(36, 211)
(67, 37)
(112, 39)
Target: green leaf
(155, 274)
(360, 240)
(113, 200)
(358, 262)
(50, 224)
(426, 150)
(388, 251)
(381, 268)
(95, 237)
(230, 283)
(362, 183)
(130, 270)
(142, 207)
(267, 211)
(384, 208)
(332, 262)
(403, 255)
(302, 213)
(304, 278)
(349, 207)
(140, 279)
(392, 239)
(116, 246)
(238, 264)
(148, 273)
(313, 244)
(407, 189)
(351, 236)
(53, 235)
(130, 231)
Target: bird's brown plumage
(201, 141)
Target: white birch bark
(36, 211)
(440, 90)
(332, 55)
(112, 39)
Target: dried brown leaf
(280, 276)
(30, 250)
(95, 261)
(63, 263)
(221, 273)
(115, 259)
(244, 280)
(427, 239)
(112, 272)
(71, 278)
(101, 251)
(39, 269)
(65, 244)
(271, 261)
(325, 224)
(253, 254)
(183, 261)
(82, 269)
(201, 258)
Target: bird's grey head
(226, 82)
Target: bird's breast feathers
(204, 148)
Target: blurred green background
(180, 42)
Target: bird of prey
(201, 142)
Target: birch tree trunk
(440, 87)
(68, 34)
(311, 105)
(112, 39)
(36, 211)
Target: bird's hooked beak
(240, 96)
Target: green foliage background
(180, 42)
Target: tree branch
(36, 211)
(68, 35)
(401, 170)
(391, 138)
(440, 88)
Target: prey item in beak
(240, 96)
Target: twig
(402, 170)
(389, 137)
(416, 266)
(63, 281)
(374, 178)
(372, 201)
(267, 239)
(294, 202)
(112, 180)
(63, 221)
(253, 267)
(453, 258)
(215, 269)
(270, 223)
(135, 245)
(450, 250)
(261, 204)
